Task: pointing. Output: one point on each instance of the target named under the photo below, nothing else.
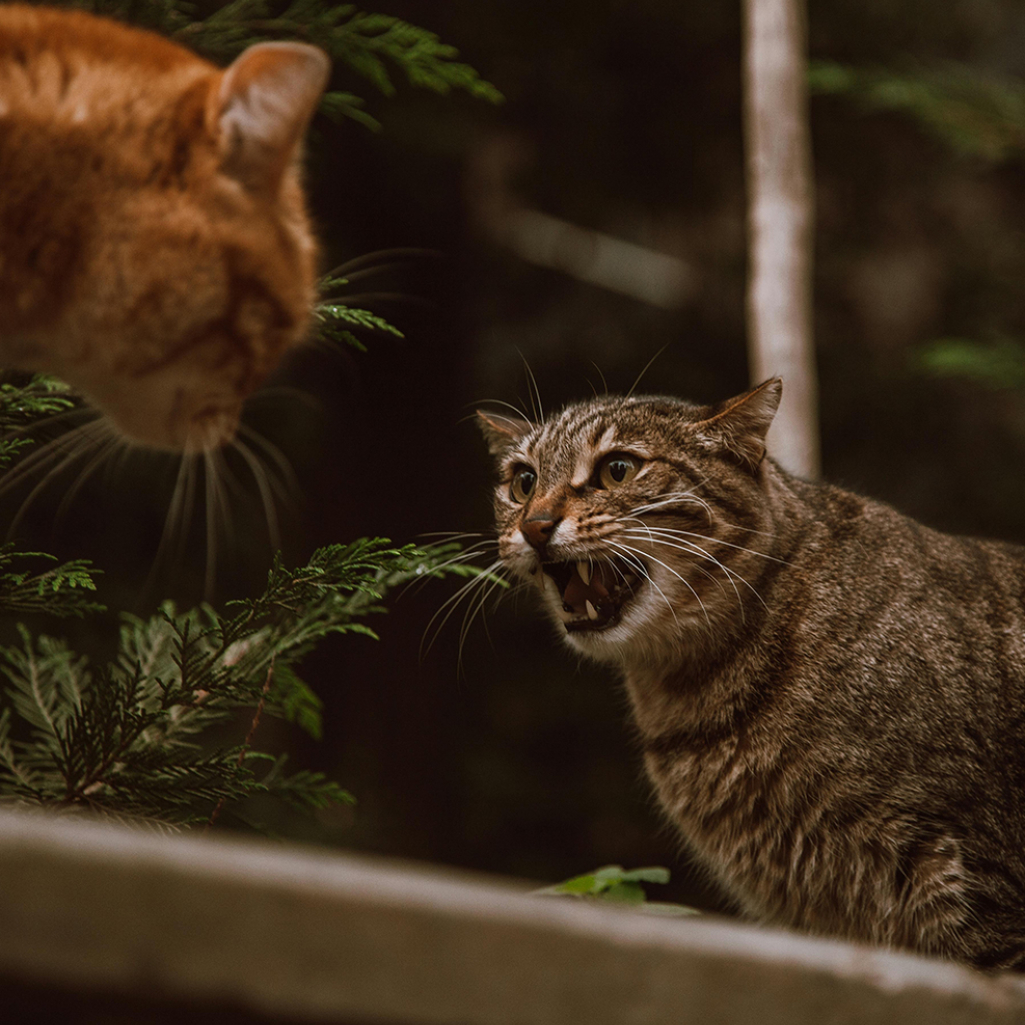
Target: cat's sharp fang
(584, 569)
(592, 612)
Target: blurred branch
(973, 111)
(999, 366)
(780, 216)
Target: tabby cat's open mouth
(593, 591)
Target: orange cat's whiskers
(45, 452)
(288, 485)
(265, 488)
(218, 513)
(179, 514)
(66, 450)
(114, 444)
(385, 258)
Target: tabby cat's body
(830, 697)
(154, 245)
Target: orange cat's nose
(538, 529)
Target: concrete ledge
(314, 936)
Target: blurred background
(593, 219)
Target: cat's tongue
(578, 592)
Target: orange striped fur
(155, 249)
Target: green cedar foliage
(130, 738)
(336, 321)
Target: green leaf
(646, 875)
(613, 883)
(624, 893)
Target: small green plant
(616, 885)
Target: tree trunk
(780, 215)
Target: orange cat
(155, 250)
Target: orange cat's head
(155, 249)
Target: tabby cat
(155, 249)
(830, 696)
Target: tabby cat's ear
(501, 432)
(738, 426)
(265, 101)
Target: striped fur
(154, 245)
(830, 696)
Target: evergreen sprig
(61, 590)
(132, 737)
(336, 320)
(22, 405)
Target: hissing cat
(830, 696)
(155, 249)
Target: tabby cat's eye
(523, 483)
(617, 468)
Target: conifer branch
(130, 738)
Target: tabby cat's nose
(538, 529)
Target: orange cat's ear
(738, 426)
(262, 107)
(501, 432)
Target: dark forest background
(508, 756)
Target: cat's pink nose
(538, 529)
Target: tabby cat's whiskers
(636, 558)
(485, 582)
(691, 548)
